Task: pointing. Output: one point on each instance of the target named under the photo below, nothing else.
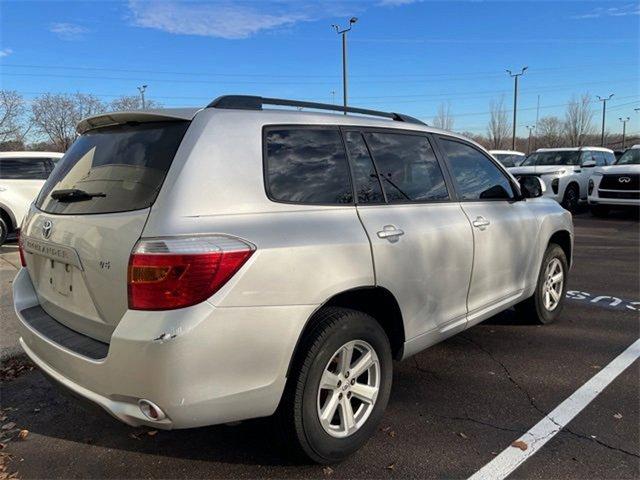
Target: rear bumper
(201, 365)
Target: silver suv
(194, 267)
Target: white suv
(194, 267)
(565, 171)
(617, 185)
(22, 175)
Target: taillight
(168, 273)
(23, 262)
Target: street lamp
(604, 112)
(624, 129)
(515, 76)
(530, 128)
(343, 31)
(141, 89)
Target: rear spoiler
(142, 116)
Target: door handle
(390, 232)
(481, 223)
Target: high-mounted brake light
(177, 272)
(23, 261)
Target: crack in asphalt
(468, 418)
(536, 407)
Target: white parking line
(511, 458)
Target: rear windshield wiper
(74, 195)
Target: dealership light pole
(141, 89)
(604, 112)
(530, 128)
(515, 76)
(343, 32)
(624, 129)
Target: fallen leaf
(618, 416)
(151, 433)
(2, 445)
(23, 434)
(392, 434)
(391, 466)
(520, 444)
(327, 471)
(8, 426)
(462, 435)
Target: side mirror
(588, 164)
(531, 187)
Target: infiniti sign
(624, 179)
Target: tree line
(48, 122)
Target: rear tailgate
(77, 246)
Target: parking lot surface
(453, 408)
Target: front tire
(571, 198)
(4, 231)
(547, 302)
(339, 386)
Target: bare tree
(578, 120)
(499, 127)
(550, 132)
(13, 127)
(444, 118)
(132, 102)
(56, 116)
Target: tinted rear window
(307, 165)
(23, 169)
(126, 163)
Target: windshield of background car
(121, 167)
(508, 159)
(552, 158)
(630, 157)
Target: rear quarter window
(23, 169)
(125, 164)
(306, 165)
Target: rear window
(307, 165)
(121, 168)
(23, 169)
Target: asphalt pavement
(453, 407)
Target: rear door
(505, 229)
(89, 215)
(421, 240)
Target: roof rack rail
(250, 102)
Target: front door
(504, 228)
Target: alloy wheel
(553, 285)
(348, 389)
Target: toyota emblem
(624, 179)
(46, 228)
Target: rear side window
(476, 176)
(307, 165)
(407, 167)
(23, 169)
(123, 166)
(365, 176)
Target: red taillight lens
(23, 262)
(178, 272)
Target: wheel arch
(562, 238)
(8, 217)
(376, 301)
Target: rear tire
(599, 210)
(319, 362)
(571, 198)
(546, 304)
(4, 231)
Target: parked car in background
(189, 267)
(22, 174)
(564, 171)
(508, 158)
(617, 185)
(618, 153)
